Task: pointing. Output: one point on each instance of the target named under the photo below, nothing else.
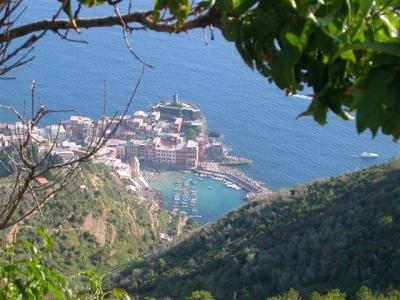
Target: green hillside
(96, 223)
(342, 233)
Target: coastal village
(172, 135)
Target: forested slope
(342, 232)
(95, 223)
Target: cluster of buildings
(173, 134)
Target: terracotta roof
(41, 181)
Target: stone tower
(175, 99)
(135, 167)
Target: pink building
(173, 152)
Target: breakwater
(234, 160)
(254, 187)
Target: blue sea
(256, 118)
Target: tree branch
(143, 18)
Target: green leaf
(356, 24)
(49, 242)
(318, 110)
(294, 38)
(241, 6)
(348, 55)
(119, 294)
(391, 123)
(56, 291)
(392, 48)
(371, 99)
(91, 3)
(67, 8)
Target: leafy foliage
(191, 133)
(338, 233)
(180, 9)
(24, 274)
(346, 51)
(96, 290)
(27, 276)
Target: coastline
(151, 176)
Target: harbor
(202, 198)
(204, 194)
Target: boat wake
(304, 97)
(366, 155)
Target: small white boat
(369, 155)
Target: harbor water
(213, 197)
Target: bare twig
(19, 55)
(128, 45)
(66, 38)
(28, 170)
(105, 98)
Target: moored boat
(369, 155)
